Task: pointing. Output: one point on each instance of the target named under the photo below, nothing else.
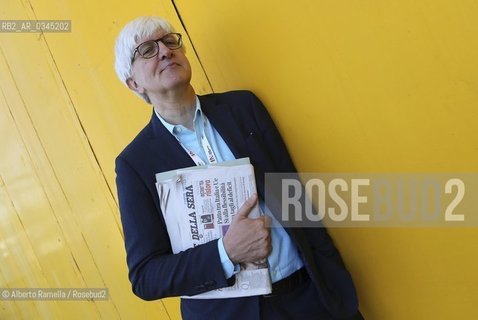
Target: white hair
(126, 42)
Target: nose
(163, 51)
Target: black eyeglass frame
(180, 44)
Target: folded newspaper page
(198, 204)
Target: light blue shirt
(284, 258)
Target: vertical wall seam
(28, 151)
(77, 117)
(192, 44)
(83, 131)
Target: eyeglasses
(150, 48)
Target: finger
(246, 208)
(267, 222)
(264, 252)
(263, 222)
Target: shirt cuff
(228, 267)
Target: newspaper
(198, 205)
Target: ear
(134, 86)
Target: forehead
(154, 36)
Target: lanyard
(211, 157)
(206, 146)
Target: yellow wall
(64, 117)
(365, 86)
(354, 86)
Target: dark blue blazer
(246, 127)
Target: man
(309, 278)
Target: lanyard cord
(211, 157)
(206, 146)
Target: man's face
(165, 73)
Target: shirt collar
(198, 115)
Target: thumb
(246, 208)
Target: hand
(248, 240)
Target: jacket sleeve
(154, 271)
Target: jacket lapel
(166, 147)
(221, 117)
